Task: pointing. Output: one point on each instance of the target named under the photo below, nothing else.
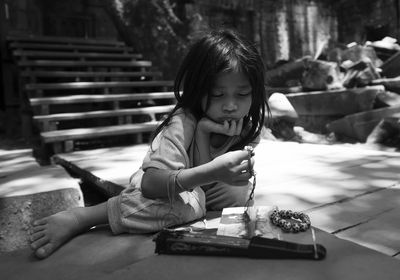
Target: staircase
(85, 93)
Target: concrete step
(28, 192)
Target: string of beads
(250, 151)
(290, 221)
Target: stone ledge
(28, 192)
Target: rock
(386, 132)
(387, 98)
(281, 108)
(321, 75)
(292, 70)
(359, 126)
(283, 116)
(357, 52)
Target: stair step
(70, 47)
(82, 74)
(86, 133)
(101, 98)
(104, 113)
(86, 55)
(63, 63)
(93, 85)
(65, 40)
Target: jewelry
(172, 185)
(250, 151)
(290, 221)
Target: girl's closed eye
(217, 94)
(244, 93)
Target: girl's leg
(50, 233)
(132, 212)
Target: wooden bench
(129, 121)
(82, 91)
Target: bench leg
(68, 146)
(42, 152)
(58, 147)
(138, 138)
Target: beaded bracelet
(290, 221)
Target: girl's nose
(230, 106)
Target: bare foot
(49, 233)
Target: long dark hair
(220, 51)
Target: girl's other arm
(205, 128)
(226, 168)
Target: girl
(196, 160)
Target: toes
(36, 236)
(40, 222)
(39, 242)
(45, 251)
(36, 229)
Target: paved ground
(351, 194)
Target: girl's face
(230, 98)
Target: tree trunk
(123, 29)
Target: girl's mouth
(228, 120)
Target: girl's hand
(229, 128)
(232, 168)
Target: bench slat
(100, 98)
(80, 48)
(67, 74)
(63, 63)
(104, 113)
(93, 85)
(86, 133)
(56, 54)
(65, 40)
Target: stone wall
(283, 30)
(359, 20)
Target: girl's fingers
(226, 125)
(242, 180)
(239, 127)
(232, 128)
(245, 163)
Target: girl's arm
(226, 168)
(155, 181)
(202, 148)
(205, 128)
